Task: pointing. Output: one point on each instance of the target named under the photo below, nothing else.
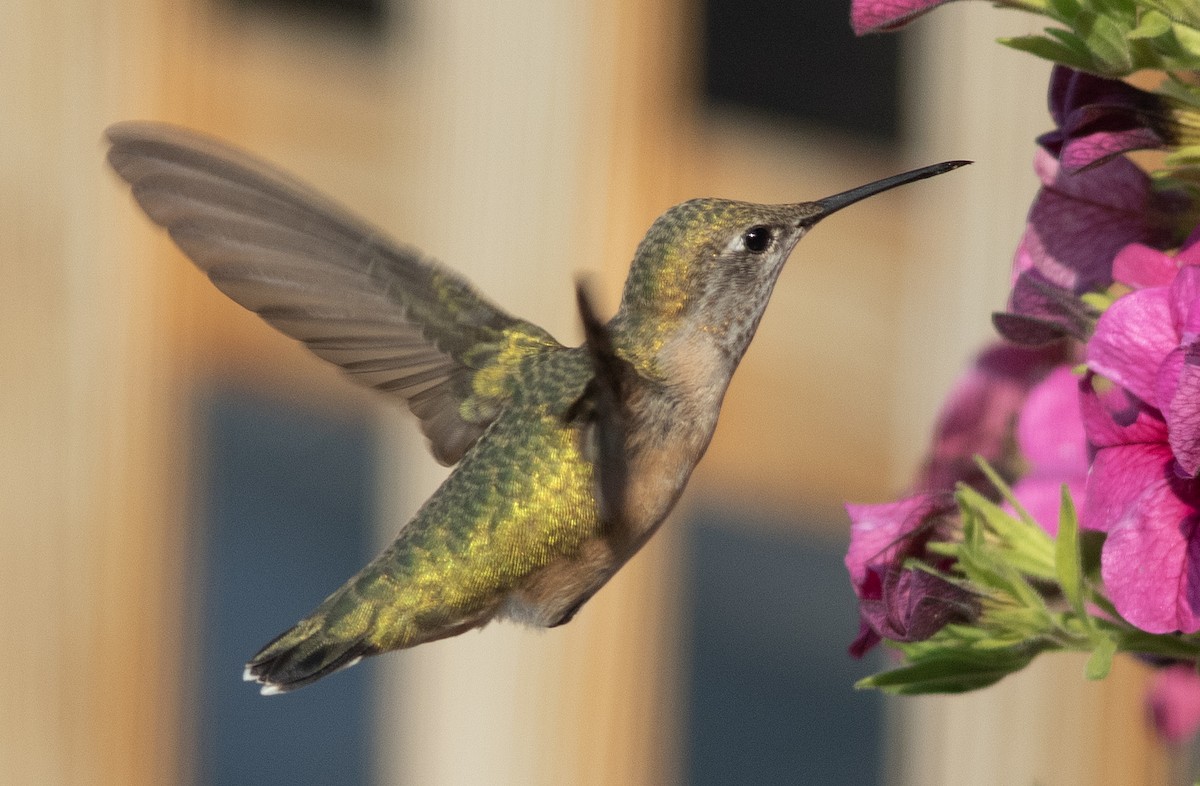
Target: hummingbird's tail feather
(370, 614)
(304, 654)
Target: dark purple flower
(1100, 118)
(907, 604)
(898, 602)
(1076, 226)
(1173, 702)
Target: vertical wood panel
(88, 505)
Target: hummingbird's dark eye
(757, 239)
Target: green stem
(1139, 642)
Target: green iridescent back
(521, 498)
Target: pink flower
(896, 602)
(1138, 266)
(1051, 437)
(1174, 703)
(1143, 419)
(873, 16)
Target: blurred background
(179, 483)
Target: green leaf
(1091, 543)
(1164, 645)
(1096, 301)
(1023, 544)
(1006, 626)
(1005, 491)
(1106, 39)
(1071, 40)
(1151, 25)
(1052, 50)
(1068, 558)
(1065, 10)
(1183, 157)
(1126, 9)
(1188, 40)
(1184, 11)
(1180, 91)
(951, 672)
(1100, 662)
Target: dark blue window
(285, 508)
(800, 61)
(771, 696)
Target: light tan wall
(87, 566)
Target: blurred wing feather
(393, 320)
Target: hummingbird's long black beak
(836, 202)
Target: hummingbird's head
(706, 268)
(710, 264)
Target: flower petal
(866, 640)
(1184, 298)
(1189, 252)
(1174, 702)
(1183, 407)
(1041, 496)
(1079, 222)
(915, 604)
(1132, 339)
(1119, 477)
(1099, 118)
(1086, 150)
(979, 413)
(872, 16)
(1139, 266)
(879, 532)
(1050, 428)
(1043, 312)
(1111, 416)
(1151, 559)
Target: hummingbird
(566, 459)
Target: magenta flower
(1173, 702)
(1143, 419)
(1138, 266)
(873, 16)
(980, 414)
(1051, 437)
(897, 602)
(1100, 118)
(1076, 226)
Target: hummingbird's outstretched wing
(394, 320)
